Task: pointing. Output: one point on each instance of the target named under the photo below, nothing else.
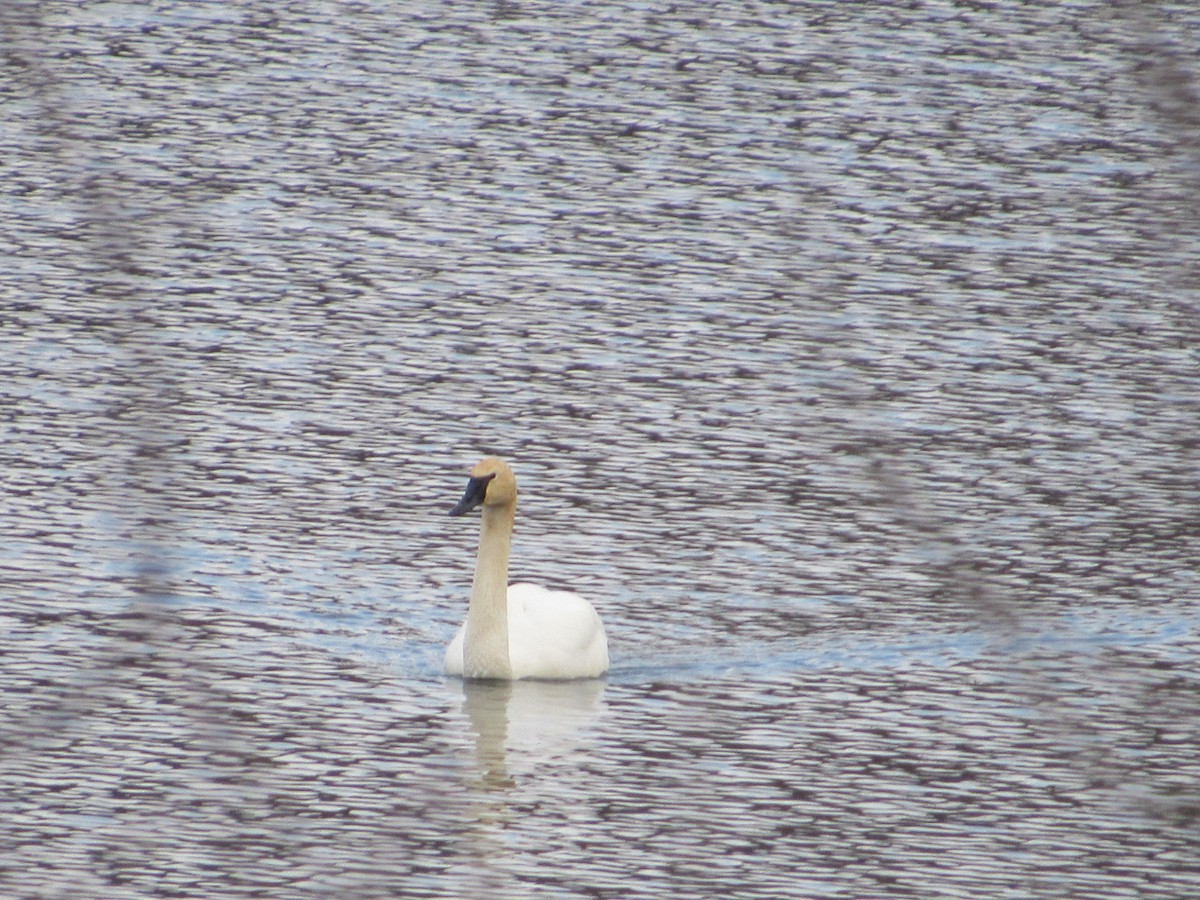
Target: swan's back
(551, 634)
(554, 634)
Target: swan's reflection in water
(518, 724)
(525, 732)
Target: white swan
(522, 630)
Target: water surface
(847, 358)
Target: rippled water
(847, 355)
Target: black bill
(476, 491)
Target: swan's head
(492, 484)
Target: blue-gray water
(847, 355)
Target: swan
(520, 630)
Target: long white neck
(485, 643)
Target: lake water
(847, 356)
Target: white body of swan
(551, 634)
(522, 630)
